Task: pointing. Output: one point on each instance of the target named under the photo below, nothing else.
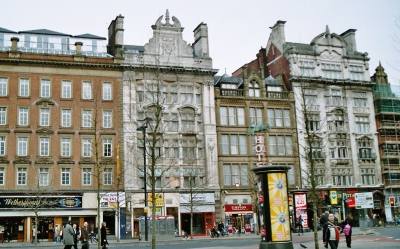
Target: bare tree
(310, 151)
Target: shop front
(239, 218)
(19, 214)
(202, 206)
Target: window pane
(223, 114)
(243, 145)
(225, 144)
(240, 116)
(234, 145)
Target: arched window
(254, 89)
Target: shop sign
(197, 198)
(109, 200)
(279, 212)
(333, 197)
(364, 200)
(238, 208)
(35, 202)
(349, 199)
(159, 199)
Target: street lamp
(143, 129)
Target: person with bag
(347, 233)
(85, 236)
(332, 233)
(103, 233)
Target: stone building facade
(170, 72)
(332, 78)
(252, 110)
(52, 92)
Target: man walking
(68, 235)
(332, 233)
(85, 236)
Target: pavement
(376, 237)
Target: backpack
(346, 230)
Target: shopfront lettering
(34, 202)
(260, 150)
(238, 208)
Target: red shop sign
(238, 208)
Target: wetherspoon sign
(260, 150)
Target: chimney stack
(350, 37)
(200, 45)
(277, 36)
(14, 44)
(78, 48)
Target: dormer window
(228, 86)
(254, 89)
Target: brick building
(54, 88)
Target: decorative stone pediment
(44, 130)
(167, 40)
(44, 160)
(44, 102)
(22, 160)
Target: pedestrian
(347, 229)
(76, 235)
(57, 234)
(332, 233)
(85, 236)
(322, 221)
(103, 236)
(299, 224)
(68, 236)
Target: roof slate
(3, 30)
(43, 32)
(227, 79)
(90, 36)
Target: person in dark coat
(68, 236)
(103, 233)
(322, 221)
(85, 236)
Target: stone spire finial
(380, 76)
(327, 30)
(167, 17)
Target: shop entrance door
(109, 219)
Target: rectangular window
(66, 89)
(23, 116)
(66, 118)
(86, 90)
(280, 145)
(107, 176)
(3, 87)
(278, 118)
(3, 115)
(3, 148)
(2, 176)
(107, 119)
(107, 147)
(44, 177)
(86, 147)
(232, 116)
(362, 124)
(23, 89)
(256, 117)
(44, 146)
(22, 146)
(107, 91)
(356, 72)
(65, 147)
(235, 175)
(44, 119)
(331, 70)
(87, 118)
(22, 176)
(233, 145)
(86, 176)
(360, 102)
(45, 88)
(65, 176)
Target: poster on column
(300, 201)
(278, 202)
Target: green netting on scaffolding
(387, 98)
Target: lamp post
(146, 225)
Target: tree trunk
(36, 226)
(191, 211)
(98, 219)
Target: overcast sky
(237, 29)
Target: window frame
(28, 93)
(43, 88)
(66, 84)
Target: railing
(278, 95)
(361, 110)
(232, 92)
(388, 124)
